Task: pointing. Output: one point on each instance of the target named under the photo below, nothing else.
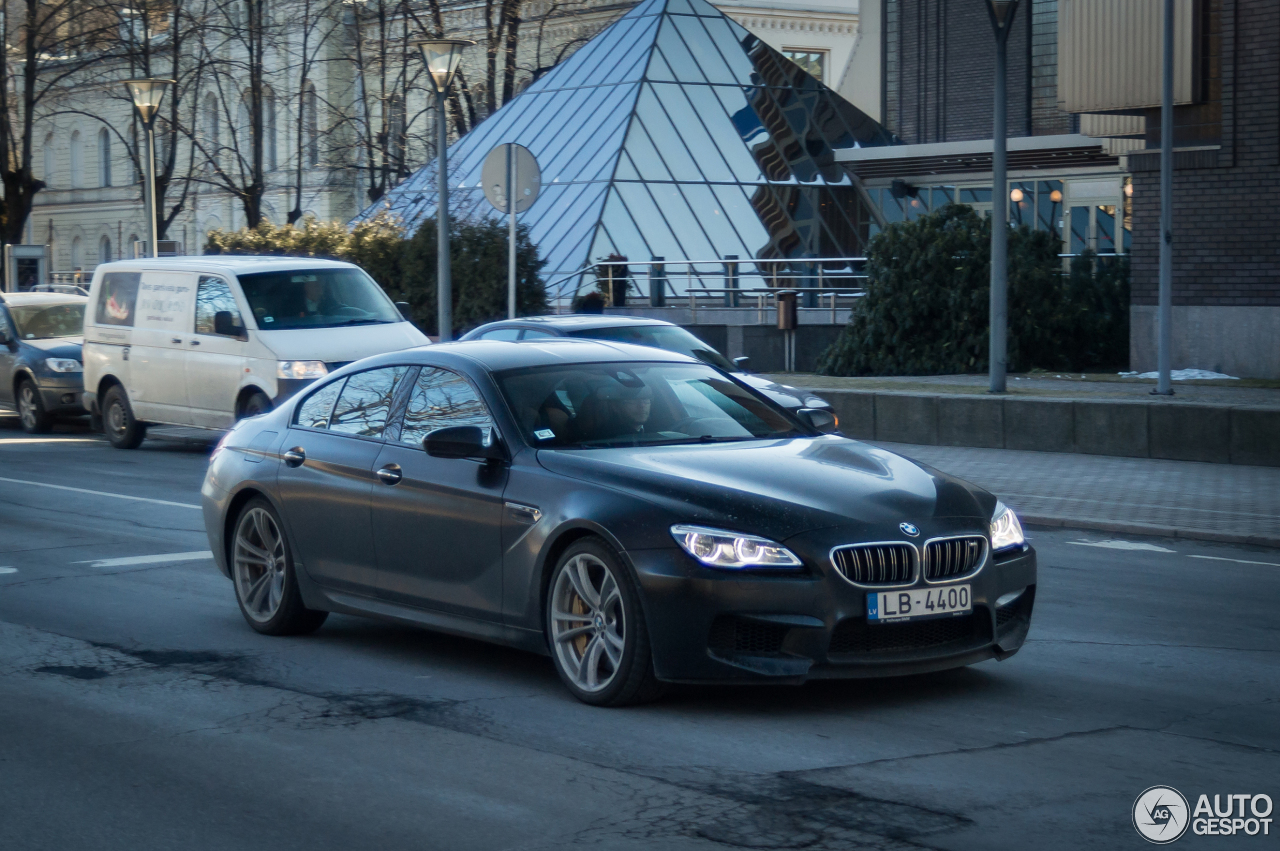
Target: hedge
(926, 308)
(405, 267)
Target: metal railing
(729, 279)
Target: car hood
(779, 488)
(58, 347)
(342, 344)
(783, 394)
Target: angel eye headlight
(733, 550)
(1006, 531)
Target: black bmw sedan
(639, 516)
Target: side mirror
(463, 442)
(5, 337)
(820, 419)
(741, 363)
(405, 310)
(225, 324)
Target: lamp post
(147, 95)
(442, 56)
(1002, 12)
(1164, 387)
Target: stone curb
(1056, 522)
(1221, 434)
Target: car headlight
(718, 548)
(301, 369)
(63, 365)
(1006, 531)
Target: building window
(104, 158)
(75, 254)
(812, 61)
(311, 123)
(49, 155)
(269, 158)
(77, 160)
(104, 250)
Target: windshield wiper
(346, 322)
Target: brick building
(1226, 254)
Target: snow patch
(1183, 375)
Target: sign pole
(511, 211)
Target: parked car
(204, 341)
(41, 372)
(631, 512)
(643, 332)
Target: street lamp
(147, 95)
(1002, 12)
(442, 56)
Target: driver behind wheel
(616, 410)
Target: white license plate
(918, 604)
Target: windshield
(632, 404)
(669, 337)
(44, 321)
(316, 298)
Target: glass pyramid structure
(673, 133)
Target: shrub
(406, 267)
(926, 311)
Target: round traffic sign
(495, 176)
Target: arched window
(77, 160)
(212, 124)
(104, 158)
(75, 254)
(49, 155)
(311, 123)
(269, 148)
(396, 131)
(104, 249)
(132, 244)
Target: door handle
(177, 340)
(390, 474)
(295, 456)
(195, 342)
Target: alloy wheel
(588, 625)
(260, 562)
(27, 410)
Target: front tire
(265, 581)
(122, 428)
(596, 628)
(35, 419)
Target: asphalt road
(138, 711)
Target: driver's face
(635, 411)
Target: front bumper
(62, 395)
(712, 626)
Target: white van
(204, 341)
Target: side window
(365, 402)
(533, 334)
(442, 399)
(315, 411)
(117, 298)
(213, 296)
(509, 334)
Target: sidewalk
(1184, 499)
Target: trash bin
(787, 316)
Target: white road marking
(156, 559)
(1238, 560)
(8, 570)
(1121, 545)
(13, 440)
(102, 493)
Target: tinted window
(316, 298)
(629, 404)
(315, 411)
(501, 334)
(365, 402)
(213, 296)
(442, 399)
(668, 337)
(534, 334)
(44, 321)
(117, 298)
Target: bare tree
(50, 44)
